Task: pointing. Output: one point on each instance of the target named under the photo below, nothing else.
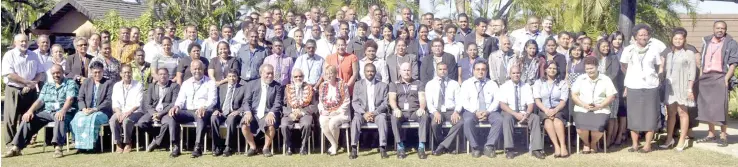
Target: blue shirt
(251, 61)
(467, 67)
(550, 94)
(312, 67)
(54, 97)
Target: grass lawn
(691, 157)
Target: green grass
(691, 157)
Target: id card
(55, 106)
(406, 106)
(414, 87)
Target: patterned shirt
(124, 52)
(54, 97)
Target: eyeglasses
(82, 44)
(297, 76)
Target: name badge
(55, 106)
(413, 87)
(406, 106)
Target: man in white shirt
(437, 31)
(453, 47)
(127, 96)
(478, 103)
(153, 48)
(191, 34)
(516, 103)
(262, 105)
(43, 52)
(21, 71)
(370, 105)
(327, 45)
(310, 64)
(530, 32)
(194, 103)
(300, 21)
(441, 102)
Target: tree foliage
(19, 15)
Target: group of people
(283, 72)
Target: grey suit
(414, 47)
(306, 121)
(394, 62)
(102, 99)
(488, 46)
(428, 67)
(356, 47)
(273, 103)
(360, 105)
(231, 122)
(150, 101)
(293, 52)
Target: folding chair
(297, 127)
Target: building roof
(93, 9)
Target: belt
(13, 86)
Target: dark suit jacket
(427, 70)
(104, 95)
(489, 45)
(414, 48)
(356, 47)
(253, 95)
(232, 64)
(293, 52)
(238, 96)
(309, 110)
(360, 97)
(75, 67)
(286, 41)
(394, 67)
(151, 98)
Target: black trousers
(16, 103)
(306, 122)
(231, 124)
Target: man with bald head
(194, 103)
(501, 60)
(407, 102)
(22, 71)
(298, 110)
(531, 31)
(376, 30)
(261, 106)
(407, 19)
(58, 101)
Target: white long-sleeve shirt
(128, 97)
(194, 94)
(468, 95)
(433, 89)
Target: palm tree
(18, 15)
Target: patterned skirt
(85, 129)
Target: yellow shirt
(124, 52)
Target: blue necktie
(480, 94)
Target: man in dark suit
(370, 105)
(76, 63)
(428, 63)
(356, 45)
(300, 105)
(298, 49)
(401, 56)
(280, 34)
(158, 99)
(263, 104)
(486, 43)
(230, 98)
(95, 93)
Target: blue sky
(714, 7)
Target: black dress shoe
(175, 152)
(401, 153)
(227, 152)
(539, 155)
(421, 153)
(197, 152)
(354, 153)
(289, 152)
(267, 153)
(151, 146)
(476, 153)
(509, 154)
(303, 151)
(383, 153)
(217, 152)
(439, 151)
(489, 151)
(250, 152)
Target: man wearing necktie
(230, 98)
(442, 107)
(194, 103)
(519, 107)
(261, 106)
(158, 100)
(370, 105)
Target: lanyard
(387, 44)
(714, 51)
(310, 66)
(471, 65)
(339, 61)
(251, 63)
(404, 87)
(223, 66)
(594, 87)
(194, 91)
(422, 50)
(550, 94)
(125, 93)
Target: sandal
(58, 153)
(722, 142)
(11, 153)
(706, 139)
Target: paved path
(732, 149)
